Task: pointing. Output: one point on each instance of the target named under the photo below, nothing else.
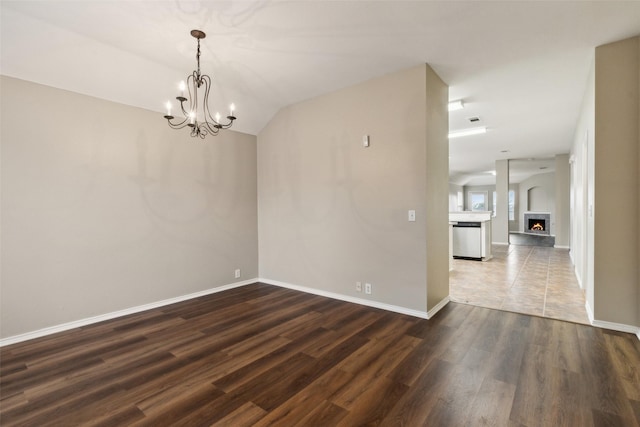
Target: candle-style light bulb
(232, 109)
(168, 105)
(218, 117)
(192, 116)
(182, 86)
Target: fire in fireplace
(537, 223)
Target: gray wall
(453, 197)
(582, 187)
(437, 212)
(332, 212)
(500, 223)
(617, 183)
(562, 195)
(605, 186)
(105, 208)
(514, 225)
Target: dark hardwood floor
(262, 355)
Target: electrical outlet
(359, 286)
(367, 288)
(237, 273)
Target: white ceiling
(520, 66)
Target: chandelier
(196, 114)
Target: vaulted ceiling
(520, 66)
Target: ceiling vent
(474, 119)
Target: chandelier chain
(199, 81)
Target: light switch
(412, 215)
(365, 141)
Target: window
(478, 200)
(495, 197)
(512, 205)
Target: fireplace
(537, 223)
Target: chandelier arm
(218, 126)
(208, 117)
(178, 125)
(184, 112)
(213, 129)
(192, 82)
(182, 100)
(206, 81)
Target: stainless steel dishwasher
(467, 240)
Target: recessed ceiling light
(456, 105)
(467, 132)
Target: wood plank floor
(262, 355)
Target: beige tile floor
(524, 279)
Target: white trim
(589, 312)
(561, 247)
(439, 306)
(620, 327)
(575, 272)
(108, 316)
(500, 243)
(347, 298)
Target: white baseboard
(589, 311)
(108, 316)
(383, 306)
(361, 301)
(575, 272)
(620, 327)
(561, 247)
(500, 243)
(439, 306)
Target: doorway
(531, 274)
